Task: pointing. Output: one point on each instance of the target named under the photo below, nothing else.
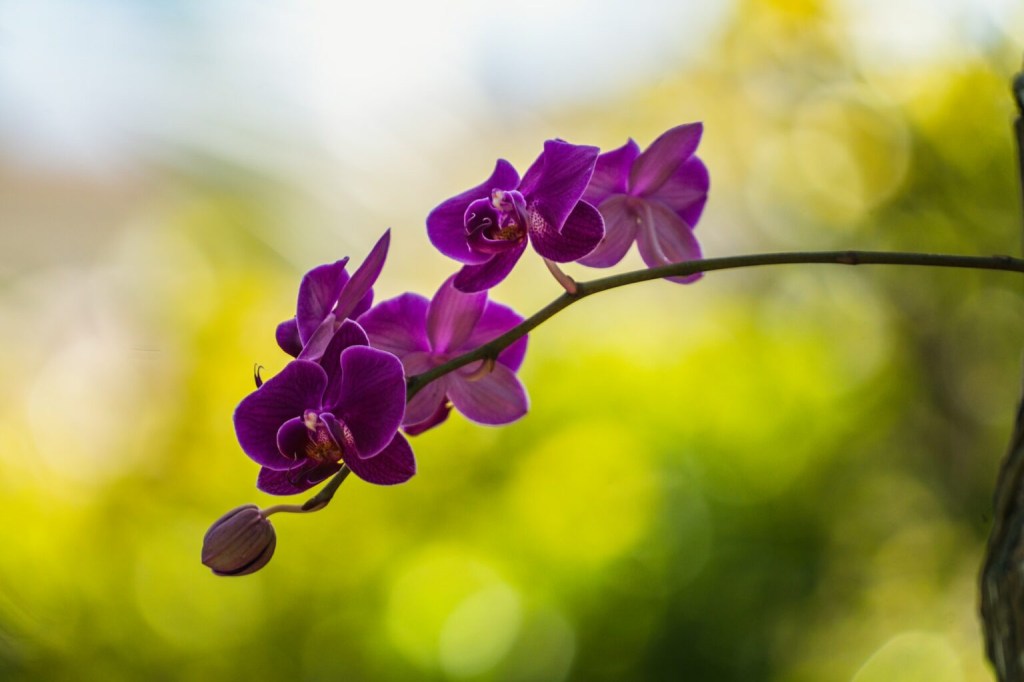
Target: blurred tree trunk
(1002, 576)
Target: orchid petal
(362, 306)
(452, 315)
(686, 191)
(611, 173)
(582, 231)
(348, 334)
(440, 416)
(446, 224)
(496, 320)
(473, 278)
(664, 239)
(557, 179)
(494, 398)
(288, 337)
(425, 402)
(318, 294)
(296, 480)
(316, 344)
(620, 226)
(372, 401)
(296, 388)
(393, 465)
(363, 278)
(397, 325)
(663, 157)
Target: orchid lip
(327, 444)
(496, 226)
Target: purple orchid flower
(424, 334)
(654, 198)
(327, 297)
(302, 424)
(488, 226)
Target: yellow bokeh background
(772, 474)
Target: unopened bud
(240, 542)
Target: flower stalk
(489, 351)
(594, 286)
(567, 282)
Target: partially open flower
(653, 198)
(240, 542)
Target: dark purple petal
(348, 334)
(452, 315)
(473, 278)
(686, 191)
(611, 173)
(488, 397)
(292, 441)
(426, 400)
(557, 180)
(620, 226)
(440, 416)
(296, 480)
(288, 337)
(393, 465)
(496, 320)
(372, 401)
(581, 233)
(663, 157)
(446, 224)
(356, 289)
(316, 344)
(296, 388)
(323, 337)
(363, 305)
(398, 325)
(318, 293)
(664, 238)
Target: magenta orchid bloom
(425, 334)
(327, 297)
(302, 424)
(487, 227)
(654, 198)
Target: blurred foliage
(781, 474)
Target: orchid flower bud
(240, 542)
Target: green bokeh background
(773, 474)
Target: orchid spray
(364, 378)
